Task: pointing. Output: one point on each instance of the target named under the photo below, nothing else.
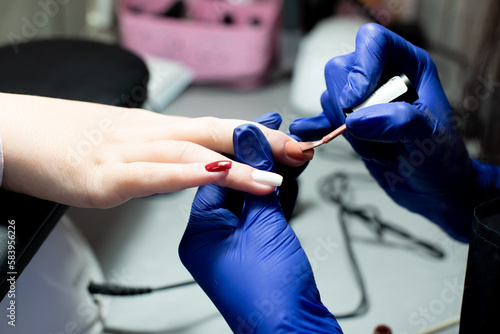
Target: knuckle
(336, 64)
(408, 118)
(403, 115)
(187, 151)
(150, 175)
(213, 129)
(371, 30)
(94, 187)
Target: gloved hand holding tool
(414, 151)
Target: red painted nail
(219, 166)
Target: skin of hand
(247, 259)
(414, 151)
(90, 155)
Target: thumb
(389, 123)
(270, 120)
(316, 127)
(312, 128)
(251, 147)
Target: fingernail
(267, 178)
(219, 166)
(293, 150)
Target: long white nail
(267, 178)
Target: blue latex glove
(289, 188)
(247, 259)
(414, 151)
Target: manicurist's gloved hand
(244, 255)
(289, 188)
(414, 151)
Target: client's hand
(244, 255)
(90, 155)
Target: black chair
(68, 69)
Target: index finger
(217, 135)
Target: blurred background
(241, 59)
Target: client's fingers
(166, 166)
(216, 134)
(139, 179)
